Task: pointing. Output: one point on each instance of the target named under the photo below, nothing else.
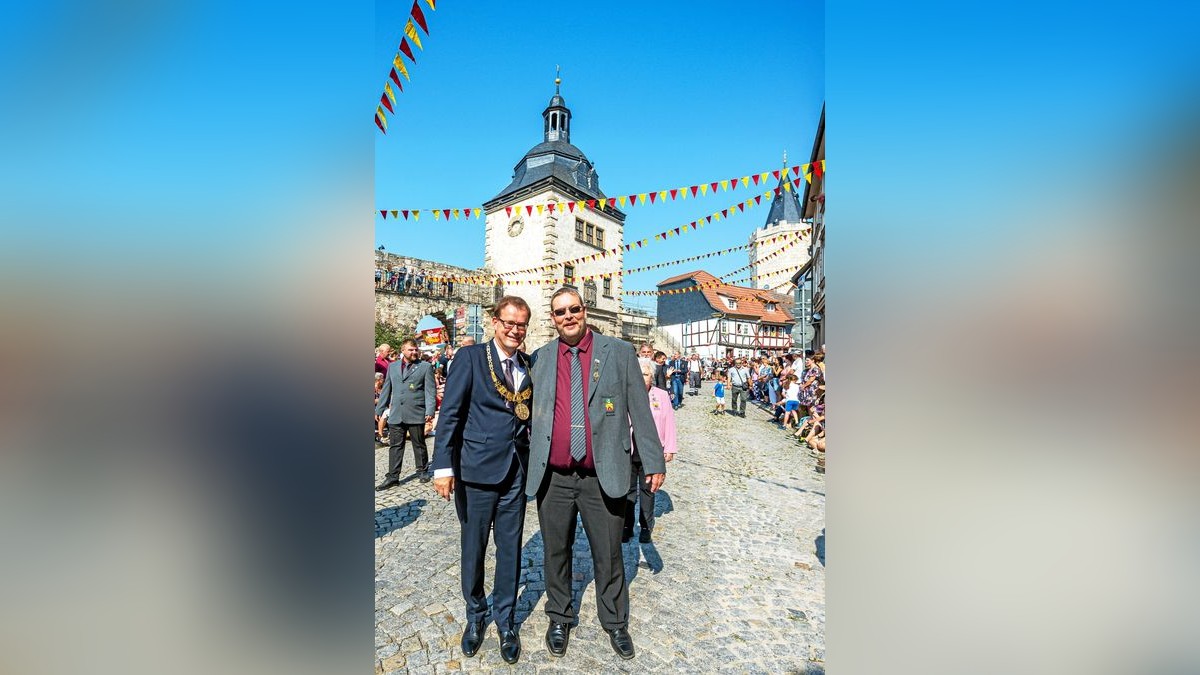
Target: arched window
(589, 293)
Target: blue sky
(662, 95)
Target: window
(569, 273)
(498, 291)
(589, 234)
(589, 293)
(770, 307)
(729, 302)
(608, 287)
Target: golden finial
(557, 79)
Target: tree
(391, 335)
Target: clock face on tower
(515, 227)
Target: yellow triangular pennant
(411, 31)
(704, 188)
(745, 181)
(477, 213)
(399, 65)
(387, 89)
(621, 201)
(642, 198)
(603, 202)
(539, 208)
(724, 186)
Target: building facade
(810, 279)
(721, 319)
(768, 258)
(518, 238)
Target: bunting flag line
(717, 284)
(490, 279)
(800, 171)
(416, 17)
(675, 232)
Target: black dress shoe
(472, 638)
(622, 644)
(510, 646)
(644, 537)
(425, 478)
(386, 484)
(557, 637)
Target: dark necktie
(578, 429)
(508, 379)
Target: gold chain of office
(518, 400)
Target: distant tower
(784, 218)
(555, 171)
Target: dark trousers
(396, 434)
(738, 402)
(640, 498)
(561, 497)
(499, 509)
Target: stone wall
(402, 309)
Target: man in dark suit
(481, 455)
(410, 395)
(588, 392)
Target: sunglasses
(573, 309)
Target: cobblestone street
(734, 580)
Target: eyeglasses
(574, 309)
(513, 325)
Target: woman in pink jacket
(664, 421)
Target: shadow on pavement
(820, 543)
(755, 478)
(395, 517)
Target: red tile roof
(751, 302)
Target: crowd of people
(416, 281)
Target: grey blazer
(411, 397)
(616, 377)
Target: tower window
(569, 273)
(554, 122)
(607, 287)
(591, 233)
(578, 229)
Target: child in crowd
(791, 401)
(719, 393)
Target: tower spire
(557, 117)
(557, 78)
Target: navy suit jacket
(477, 434)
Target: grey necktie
(578, 430)
(508, 379)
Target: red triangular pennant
(591, 203)
(733, 183)
(446, 213)
(778, 192)
(741, 206)
(528, 210)
(551, 207)
(758, 199)
(419, 17)
(405, 212)
(396, 79)
(379, 123)
(384, 214)
(755, 177)
(652, 196)
(632, 199)
(677, 231)
(407, 50)
(508, 211)
(695, 189)
(713, 186)
(817, 170)
(776, 174)
(674, 191)
(386, 103)
(796, 183)
(571, 207)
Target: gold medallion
(522, 411)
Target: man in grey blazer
(588, 393)
(410, 395)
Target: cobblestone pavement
(734, 580)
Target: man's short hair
(658, 354)
(408, 342)
(383, 347)
(563, 291)
(513, 301)
(466, 341)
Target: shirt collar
(585, 345)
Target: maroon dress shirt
(560, 435)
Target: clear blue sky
(662, 95)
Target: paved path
(733, 582)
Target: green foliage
(391, 335)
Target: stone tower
(520, 238)
(783, 218)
